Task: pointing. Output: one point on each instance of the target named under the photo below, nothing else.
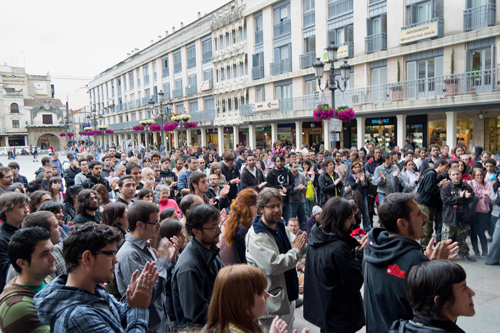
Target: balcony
(207, 56)
(442, 87)
(480, 17)
(118, 107)
(336, 8)
(123, 125)
(440, 28)
(165, 72)
(191, 89)
(178, 67)
(309, 18)
(283, 28)
(376, 43)
(177, 93)
(145, 101)
(206, 115)
(259, 37)
(257, 72)
(166, 95)
(137, 102)
(306, 60)
(280, 67)
(131, 104)
(191, 62)
(345, 50)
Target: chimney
(159, 37)
(199, 14)
(136, 49)
(166, 32)
(182, 25)
(173, 29)
(152, 41)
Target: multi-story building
(420, 69)
(29, 113)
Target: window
(241, 69)
(227, 39)
(177, 62)
(193, 105)
(208, 75)
(280, 14)
(308, 5)
(221, 42)
(310, 44)
(191, 57)
(146, 74)
(207, 49)
(240, 34)
(15, 123)
(130, 80)
(222, 74)
(310, 86)
(138, 77)
(47, 119)
(178, 84)
(283, 91)
(283, 52)
(154, 70)
(261, 93)
(258, 23)
(14, 108)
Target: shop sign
(211, 131)
(11, 78)
(261, 129)
(40, 88)
(16, 130)
(284, 130)
(205, 85)
(418, 33)
(266, 106)
(380, 121)
(343, 52)
(335, 125)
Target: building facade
(420, 69)
(29, 115)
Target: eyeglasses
(106, 253)
(273, 207)
(214, 229)
(152, 223)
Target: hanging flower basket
(147, 122)
(181, 117)
(83, 133)
(170, 126)
(102, 127)
(70, 135)
(155, 127)
(62, 134)
(88, 129)
(324, 112)
(190, 124)
(108, 131)
(138, 128)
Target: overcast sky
(80, 39)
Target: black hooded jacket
(386, 264)
(428, 192)
(332, 297)
(477, 158)
(421, 324)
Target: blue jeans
(366, 216)
(477, 229)
(494, 255)
(299, 211)
(309, 206)
(438, 223)
(381, 197)
(287, 211)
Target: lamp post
(345, 70)
(93, 118)
(160, 113)
(151, 108)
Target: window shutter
(277, 16)
(290, 51)
(375, 76)
(350, 33)
(439, 8)
(369, 27)
(383, 23)
(255, 60)
(468, 60)
(383, 75)
(332, 34)
(411, 75)
(277, 54)
(412, 14)
(438, 69)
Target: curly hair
(240, 213)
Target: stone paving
(483, 279)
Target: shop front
(464, 132)
(416, 129)
(285, 133)
(349, 135)
(312, 132)
(228, 138)
(492, 134)
(381, 131)
(263, 138)
(212, 137)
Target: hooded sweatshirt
(17, 310)
(386, 264)
(484, 199)
(75, 310)
(427, 191)
(477, 158)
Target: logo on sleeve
(396, 271)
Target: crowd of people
(190, 240)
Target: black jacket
(386, 264)
(428, 192)
(69, 212)
(84, 218)
(425, 164)
(332, 297)
(70, 174)
(249, 180)
(420, 324)
(21, 179)
(168, 175)
(456, 208)
(193, 282)
(281, 178)
(91, 181)
(6, 233)
(231, 174)
(328, 187)
(219, 203)
(105, 173)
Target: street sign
(335, 125)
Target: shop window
(464, 133)
(47, 119)
(380, 131)
(14, 108)
(492, 135)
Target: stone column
(401, 130)
(176, 139)
(360, 129)
(274, 132)
(326, 136)
(251, 137)
(236, 136)
(298, 134)
(203, 137)
(189, 136)
(451, 129)
(220, 137)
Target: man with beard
(194, 274)
(126, 185)
(144, 224)
(269, 247)
(282, 179)
(391, 252)
(87, 206)
(95, 176)
(431, 161)
(252, 176)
